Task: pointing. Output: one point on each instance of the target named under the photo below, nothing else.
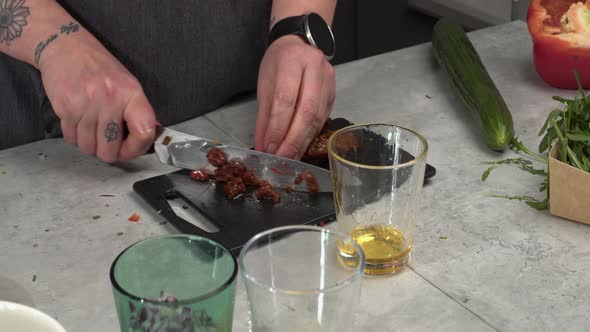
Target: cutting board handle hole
(184, 209)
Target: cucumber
(459, 59)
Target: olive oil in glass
(386, 249)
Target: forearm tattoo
(42, 46)
(67, 29)
(63, 30)
(13, 18)
(111, 132)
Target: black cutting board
(240, 219)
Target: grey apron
(191, 56)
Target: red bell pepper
(560, 46)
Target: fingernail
(271, 148)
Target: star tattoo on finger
(111, 132)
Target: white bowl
(16, 317)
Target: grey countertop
(480, 264)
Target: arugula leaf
(563, 150)
(578, 137)
(517, 145)
(586, 161)
(487, 172)
(551, 116)
(544, 205)
(544, 185)
(562, 100)
(546, 141)
(523, 164)
(575, 160)
(530, 201)
(580, 88)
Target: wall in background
(475, 14)
(520, 9)
(364, 28)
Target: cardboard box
(569, 190)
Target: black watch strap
(293, 25)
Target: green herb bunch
(569, 129)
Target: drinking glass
(377, 176)
(175, 283)
(297, 280)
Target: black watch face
(321, 34)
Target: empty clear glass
(297, 279)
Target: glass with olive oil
(377, 175)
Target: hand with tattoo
(90, 91)
(94, 96)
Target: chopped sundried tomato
(312, 183)
(250, 179)
(237, 167)
(224, 173)
(266, 192)
(276, 170)
(166, 140)
(318, 148)
(216, 157)
(234, 187)
(298, 179)
(134, 217)
(200, 175)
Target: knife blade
(190, 152)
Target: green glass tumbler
(175, 283)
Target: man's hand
(296, 91)
(95, 97)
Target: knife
(190, 152)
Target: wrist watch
(312, 28)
